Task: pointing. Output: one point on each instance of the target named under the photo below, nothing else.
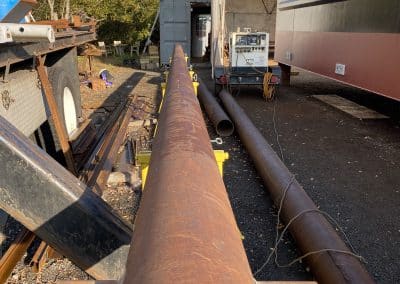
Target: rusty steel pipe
(311, 230)
(185, 231)
(222, 124)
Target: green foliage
(125, 20)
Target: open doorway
(200, 32)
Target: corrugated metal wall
(175, 26)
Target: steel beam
(59, 124)
(53, 204)
(222, 124)
(14, 253)
(310, 229)
(109, 149)
(185, 231)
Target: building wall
(356, 42)
(175, 26)
(251, 14)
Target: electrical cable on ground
(279, 239)
(276, 131)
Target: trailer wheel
(67, 98)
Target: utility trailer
(22, 99)
(356, 42)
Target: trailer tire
(68, 103)
(67, 98)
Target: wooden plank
(349, 107)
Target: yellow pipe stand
(143, 160)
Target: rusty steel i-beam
(185, 231)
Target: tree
(126, 20)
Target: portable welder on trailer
(249, 64)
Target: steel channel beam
(53, 204)
(222, 124)
(108, 150)
(108, 160)
(106, 131)
(185, 231)
(311, 230)
(14, 253)
(59, 127)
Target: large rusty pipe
(311, 230)
(185, 231)
(223, 125)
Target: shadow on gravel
(121, 94)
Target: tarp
(13, 11)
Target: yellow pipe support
(195, 86)
(143, 160)
(163, 89)
(165, 76)
(221, 156)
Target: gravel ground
(349, 167)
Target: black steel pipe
(311, 230)
(53, 204)
(223, 125)
(185, 231)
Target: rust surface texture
(185, 230)
(15, 253)
(109, 149)
(223, 125)
(56, 118)
(309, 227)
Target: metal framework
(11, 53)
(53, 204)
